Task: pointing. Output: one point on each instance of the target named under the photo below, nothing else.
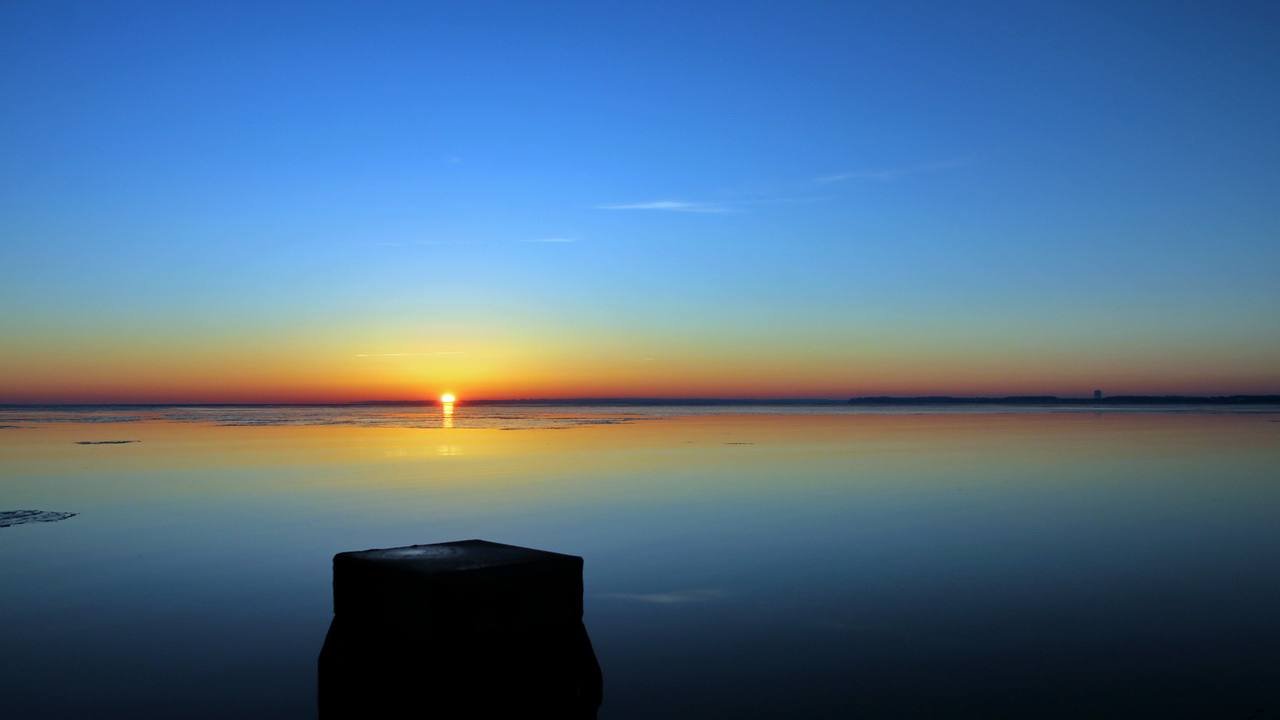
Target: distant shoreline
(1028, 400)
(874, 401)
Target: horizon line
(1267, 398)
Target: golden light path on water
(446, 410)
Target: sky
(313, 201)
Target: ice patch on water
(21, 517)
(676, 597)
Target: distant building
(1097, 394)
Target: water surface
(747, 565)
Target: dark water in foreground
(975, 565)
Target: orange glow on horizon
(101, 372)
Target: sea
(739, 561)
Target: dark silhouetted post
(469, 629)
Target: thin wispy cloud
(669, 205)
(798, 194)
(893, 173)
(550, 240)
(450, 352)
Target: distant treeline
(880, 400)
(1053, 400)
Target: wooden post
(468, 629)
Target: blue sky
(962, 191)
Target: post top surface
(457, 556)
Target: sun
(447, 398)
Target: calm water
(752, 565)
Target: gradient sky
(270, 201)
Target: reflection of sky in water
(995, 566)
